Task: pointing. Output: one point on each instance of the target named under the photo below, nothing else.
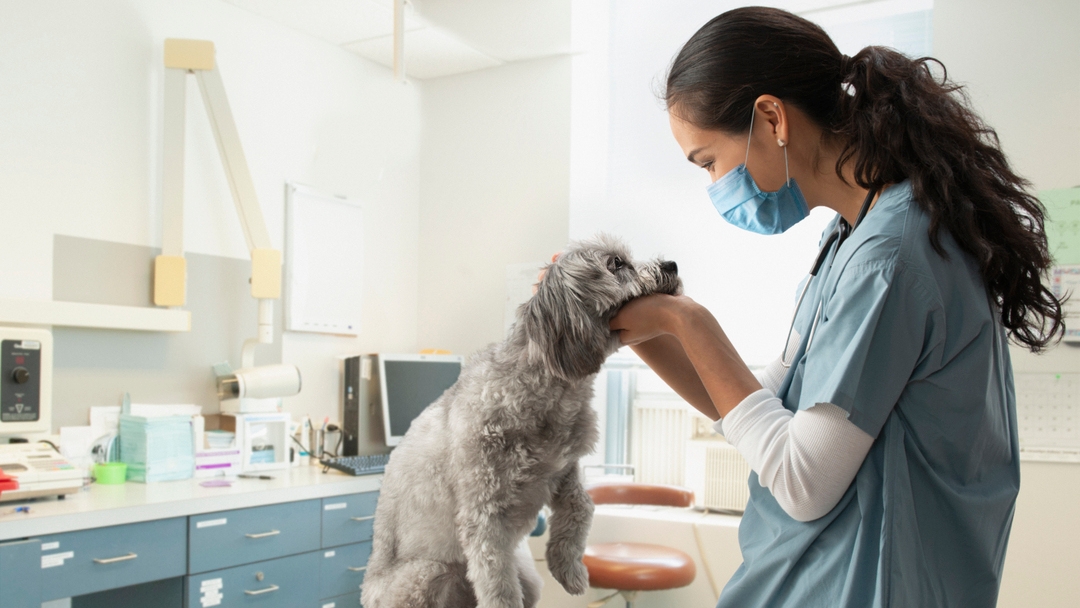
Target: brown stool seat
(638, 567)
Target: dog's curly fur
(464, 487)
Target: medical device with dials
(40, 471)
(25, 380)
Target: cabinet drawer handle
(362, 518)
(264, 534)
(360, 569)
(113, 560)
(269, 589)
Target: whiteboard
(324, 262)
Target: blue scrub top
(911, 346)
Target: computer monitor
(410, 383)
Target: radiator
(717, 474)
(660, 431)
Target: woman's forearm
(665, 356)
(720, 369)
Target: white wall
(1021, 64)
(80, 146)
(494, 191)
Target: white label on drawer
(330, 554)
(212, 522)
(53, 560)
(210, 592)
(335, 506)
(50, 546)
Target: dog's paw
(573, 576)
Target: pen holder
(109, 473)
(318, 437)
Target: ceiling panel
(511, 30)
(443, 37)
(429, 53)
(335, 21)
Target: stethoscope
(839, 234)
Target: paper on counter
(76, 443)
(105, 419)
(154, 410)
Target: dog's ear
(562, 331)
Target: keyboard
(357, 465)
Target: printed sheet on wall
(324, 262)
(1048, 404)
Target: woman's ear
(776, 114)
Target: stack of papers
(157, 443)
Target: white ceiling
(442, 37)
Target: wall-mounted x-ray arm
(183, 57)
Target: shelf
(101, 316)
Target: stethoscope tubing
(838, 236)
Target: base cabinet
(285, 582)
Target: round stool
(629, 568)
(638, 567)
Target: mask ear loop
(787, 174)
(750, 135)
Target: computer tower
(361, 408)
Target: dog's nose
(670, 267)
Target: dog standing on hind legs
(463, 488)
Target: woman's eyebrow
(690, 157)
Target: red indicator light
(20, 360)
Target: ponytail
(893, 120)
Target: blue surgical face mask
(743, 204)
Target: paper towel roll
(268, 381)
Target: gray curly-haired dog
(465, 485)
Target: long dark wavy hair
(893, 120)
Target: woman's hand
(645, 318)
(543, 271)
(682, 341)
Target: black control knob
(20, 375)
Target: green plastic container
(110, 472)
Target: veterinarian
(883, 440)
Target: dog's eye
(617, 263)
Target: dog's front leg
(489, 552)
(571, 517)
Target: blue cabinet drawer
(341, 570)
(81, 562)
(351, 600)
(20, 574)
(285, 582)
(228, 538)
(348, 519)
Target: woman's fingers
(543, 271)
(642, 318)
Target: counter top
(98, 506)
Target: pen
(243, 476)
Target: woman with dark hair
(883, 440)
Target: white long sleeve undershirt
(806, 459)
